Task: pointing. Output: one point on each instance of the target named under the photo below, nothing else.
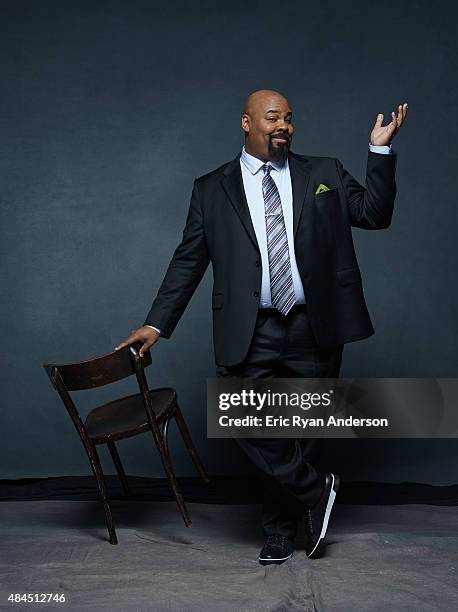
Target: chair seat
(126, 416)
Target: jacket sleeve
(371, 207)
(184, 273)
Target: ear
(246, 123)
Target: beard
(278, 152)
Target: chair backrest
(101, 370)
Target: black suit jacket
(219, 230)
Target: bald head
(262, 99)
(266, 121)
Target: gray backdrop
(109, 110)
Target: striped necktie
(281, 279)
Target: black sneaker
(317, 518)
(277, 549)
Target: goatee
(278, 152)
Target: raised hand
(384, 134)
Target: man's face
(268, 128)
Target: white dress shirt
(252, 176)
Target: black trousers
(284, 347)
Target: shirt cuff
(385, 150)
(155, 328)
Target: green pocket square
(321, 188)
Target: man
(287, 290)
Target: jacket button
(258, 263)
(256, 293)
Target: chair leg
(119, 469)
(162, 446)
(190, 445)
(101, 484)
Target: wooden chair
(149, 410)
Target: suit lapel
(300, 174)
(233, 186)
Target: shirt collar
(253, 164)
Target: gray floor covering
(396, 558)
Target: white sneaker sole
(270, 560)
(327, 514)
